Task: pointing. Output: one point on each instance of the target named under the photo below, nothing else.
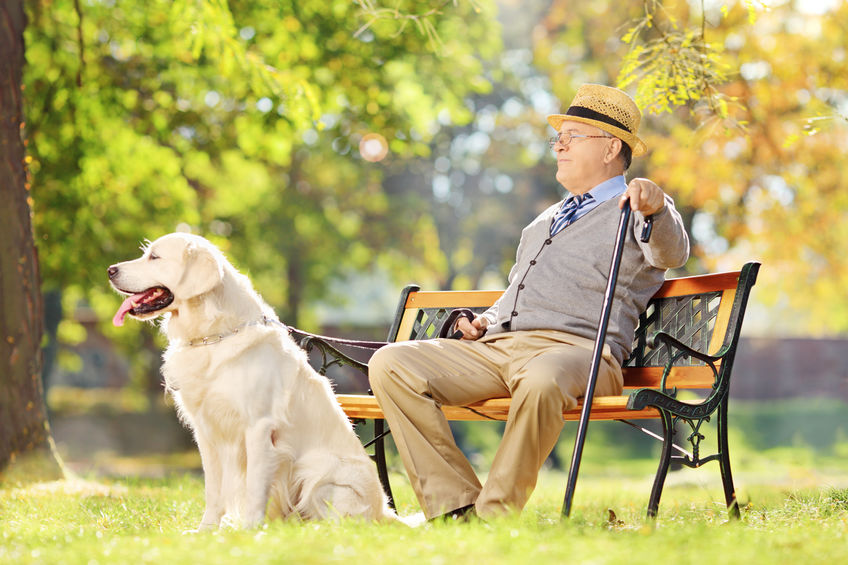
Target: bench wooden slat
(484, 298)
(695, 377)
(698, 284)
(722, 321)
(453, 298)
(603, 408)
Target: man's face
(580, 164)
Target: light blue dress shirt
(610, 188)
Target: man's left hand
(645, 196)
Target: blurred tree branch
(672, 65)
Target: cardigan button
(532, 261)
(514, 313)
(521, 286)
(548, 241)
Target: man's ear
(613, 150)
(203, 271)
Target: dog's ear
(204, 270)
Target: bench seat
(365, 407)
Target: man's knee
(560, 375)
(544, 386)
(385, 369)
(540, 384)
(380, 366)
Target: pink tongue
(125, 307)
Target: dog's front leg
(213, 480)
(262, 462)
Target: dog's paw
(200, 529)
(413, 521)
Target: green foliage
(240, 121)
(207, 30)
(672, 67)
(191, 113)
(675, 70)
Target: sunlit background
(336, 152)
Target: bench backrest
(704, 312)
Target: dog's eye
(153, 257)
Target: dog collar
(210, 339)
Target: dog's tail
(334, 487)
(270, 468)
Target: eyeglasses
(565, 138)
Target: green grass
(140, 521)
(790, 463)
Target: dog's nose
(113, 272)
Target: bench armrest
(330, 354)
(662, 338)
(665, 398)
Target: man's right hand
(474, 329)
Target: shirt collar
(610, 188)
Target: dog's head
(174, 268)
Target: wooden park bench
(686, 340)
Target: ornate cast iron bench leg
(665, 463)
(380, 459)
(724, 463)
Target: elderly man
(535, 344)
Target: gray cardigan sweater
(559, 282)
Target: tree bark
(23, 421)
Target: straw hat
(607, 108)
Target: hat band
(582, 112)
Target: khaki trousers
(543, 371)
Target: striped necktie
(567, 213)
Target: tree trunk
(23, 421)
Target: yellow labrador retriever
(267, 425)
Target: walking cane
(577, 453)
